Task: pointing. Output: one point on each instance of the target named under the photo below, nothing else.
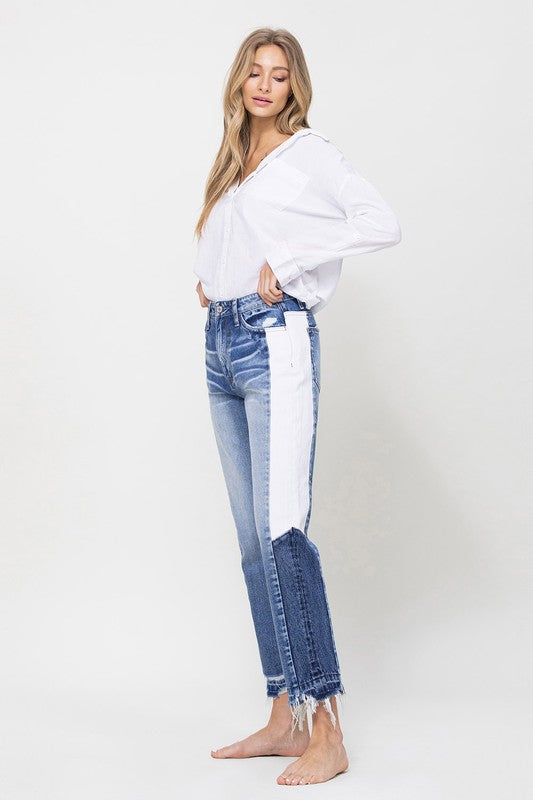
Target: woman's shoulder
(317, 144)
(315, 153)
(313, 138)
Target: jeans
(263, 381)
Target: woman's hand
(204, 301)
(267, 288)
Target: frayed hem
(272, 695)
(275, 686)
(306, 702)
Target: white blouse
(303, 210)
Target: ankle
(280, 714)
(280, 724)
(323, 729)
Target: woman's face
(269, 78)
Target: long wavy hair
(229, 163)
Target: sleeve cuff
(281, 262)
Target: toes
(222, 752)
(297, 779)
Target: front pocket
(260, 318)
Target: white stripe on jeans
(291, 422)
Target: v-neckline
(269, 157)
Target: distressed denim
(263, 381)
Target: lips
(264, 99)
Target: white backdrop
(128, 646)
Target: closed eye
(279, 80)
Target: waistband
(253, 300)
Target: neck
(262, 132)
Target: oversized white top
(303, 209)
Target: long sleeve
(338, 214)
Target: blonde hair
(229, 163)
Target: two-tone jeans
(263, 380)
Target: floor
(124, 747)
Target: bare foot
(271, 740)
(325, 756)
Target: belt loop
(235, 312)
(208, 321)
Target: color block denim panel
(305, 606)
(263, 380)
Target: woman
(283, 207)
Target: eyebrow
(255, 64)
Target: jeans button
(219, 308)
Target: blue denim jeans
(263, 380)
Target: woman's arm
(338, 214)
